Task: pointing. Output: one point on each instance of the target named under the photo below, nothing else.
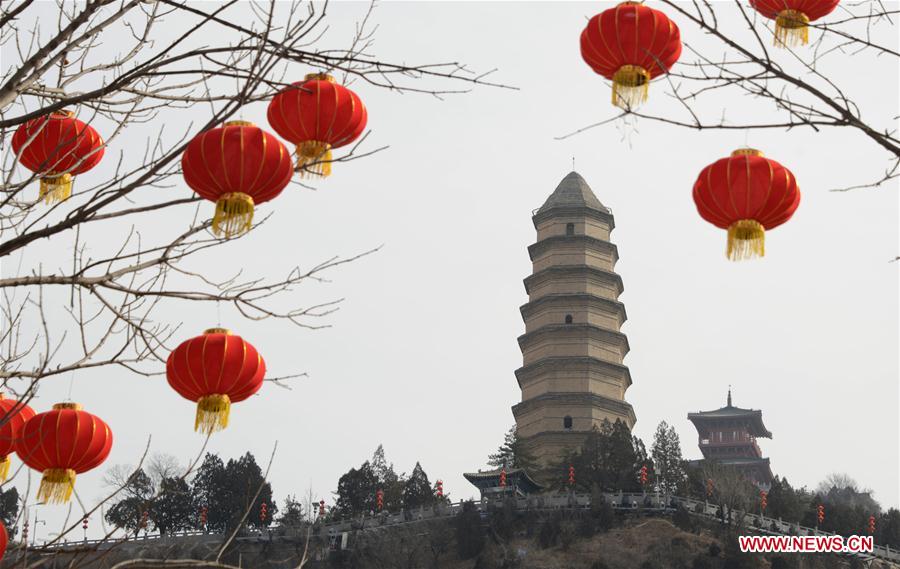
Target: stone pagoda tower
(572, 376)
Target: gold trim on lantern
(63, 113)
(212, 413)
(319, 76)
(238, 123)
(55, 189)
(747, 152)
(791, 28)
(631, 83)
(746, 240)
(234, 214)
(314, 159)
(56, 485)
(68, 405)
(217, 330)
(4, 468)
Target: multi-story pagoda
(728, 436)
(572, 376)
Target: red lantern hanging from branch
(238, 166)
(630, 45)
(62, 443)
(746, 194)
(13, 415)
(317, 115)
(215, 370)
(57, 147)
(792, 17)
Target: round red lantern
(237, 166)
(630, 45)
(317, 115)
(13, 415)
(215, 370)
(4, 540)
(746, 194)
(792, 17)
(56, 147)
(61, 443)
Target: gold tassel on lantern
(234, 214)
(56, 188)
(56, 485)
(4, 468)
(314, 159)
(746, 240)
(631, 84)
(212, 413)
(791, 28)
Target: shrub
(702, 562)
(714, 549)
(683, 520)
(549, 534)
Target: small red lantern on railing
(763, 499)
(440, 489)
(709, 487)
(871, 527)
(145, 516)
(644, 477)
(503, 478)
(571, 475)
(263, 512)
(322, 508)
(820, 513)
(204, 515)
(84, 524)
(379, 499)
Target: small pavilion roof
(514, 477)
(753, 418)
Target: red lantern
(643, 476)
(440, 489)
(57, 147)
(321, 508)
(820, 513)
(746, 194)
(317, 115)
(503, 478)
(204, 513)
(871, 527)
(215, 370)
(238, 166)
(709, 487)
(13, 415)
(763, 499)
(792, 17)
(630, 45)
(263, 512)
(4, 540)
(379, 500)
(571, 475)
(62, 443)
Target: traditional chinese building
(572, 376)
(728, 436)
(516, 483)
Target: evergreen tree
(387, 480)
(667, 459)
(9, 509)
(174, 509)
(356, 491)
(208, 488)
(784, 502)
(469, 535)
(417, 489)
(133, 501)
(512, 453)
(243, 478)
(292, 514)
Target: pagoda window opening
(570, 229)
(567, 423)
(568, 318)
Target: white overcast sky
(422, 353)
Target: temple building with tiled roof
(728, 436)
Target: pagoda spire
(729, 396)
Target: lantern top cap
(630, 3)
(68, 405)
(217, 330)
(62, 114)
(238, 123)
(747, 152)
(319, 76)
